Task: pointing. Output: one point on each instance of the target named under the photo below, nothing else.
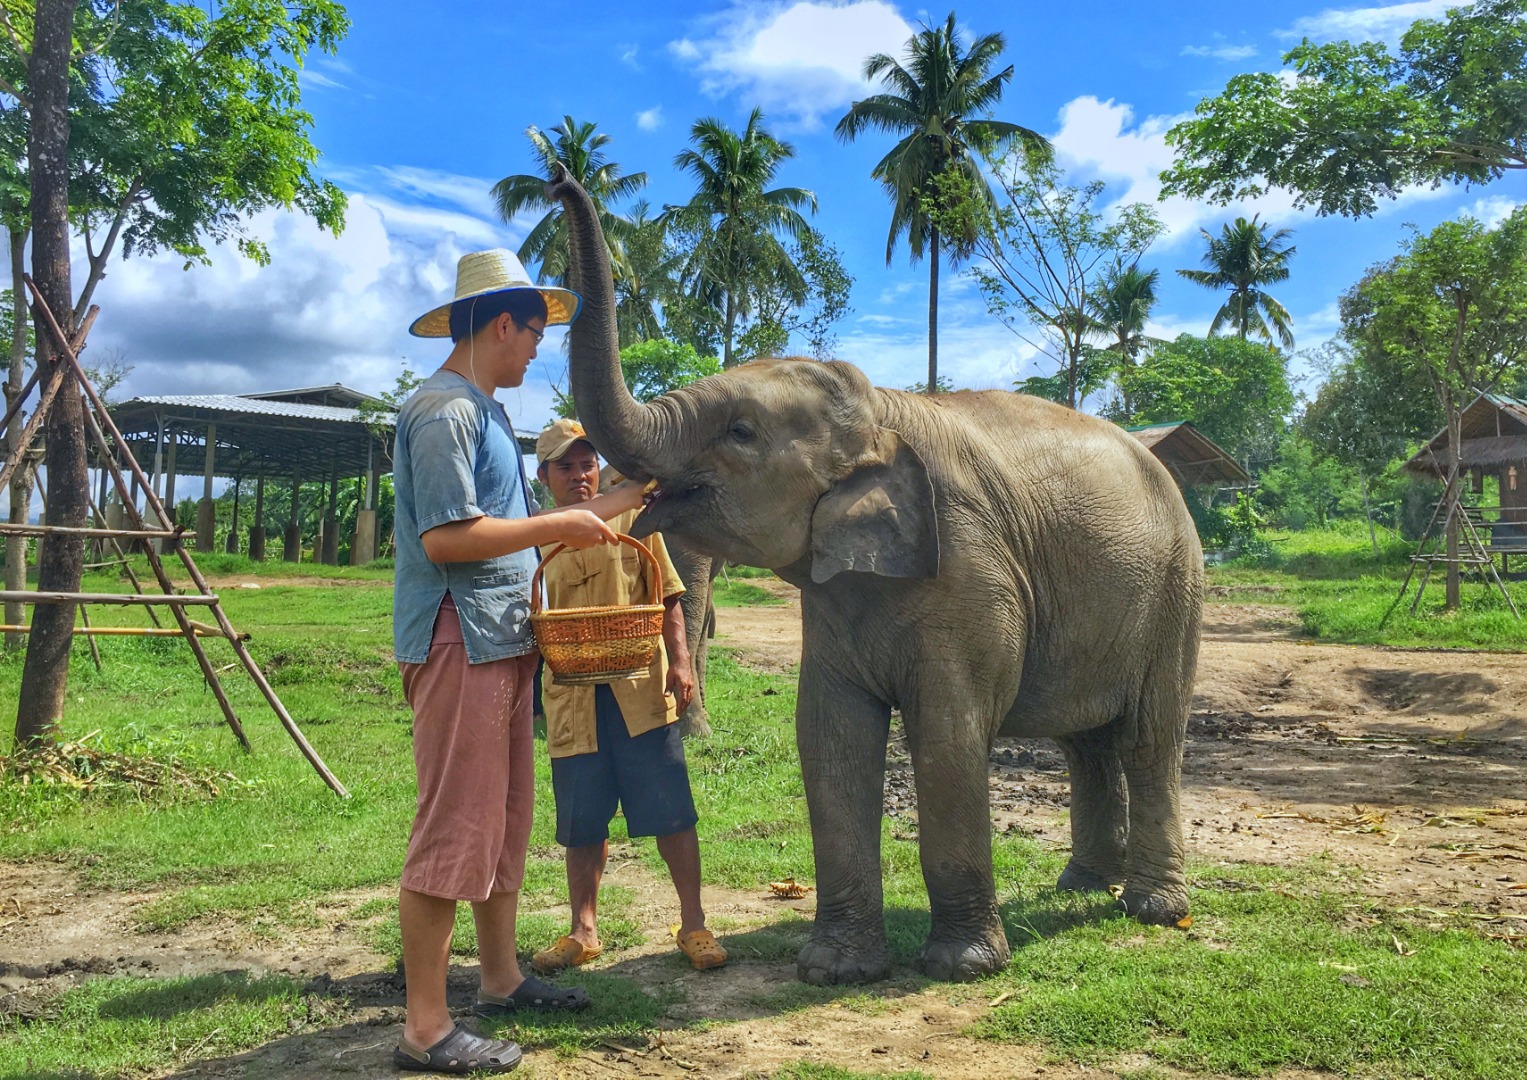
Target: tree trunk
(61, 560)
(1368, 513)
(932, 387)
(21, 479)
(731, 326)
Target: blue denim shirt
(455, 458)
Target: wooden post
(257, 530)
(331, 520)
(169, 483)
(292, 551)
(231, 544)
(206, 511)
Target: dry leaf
(1400, 946)
(1185, 922)
(999, 999)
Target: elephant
(988, 563)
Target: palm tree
(1243, 259)
(736, 220)
(936, 100)
(1122, 306)
(652, 269)
(579, 150)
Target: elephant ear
(879, 519)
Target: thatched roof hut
(1494, 439)
(1189, 455)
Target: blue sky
(425, 106)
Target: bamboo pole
(122, 631)
(49, 390)
(152, 504)
(95, 430)
(6, 528)
(31, 596)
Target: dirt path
(1407, 768)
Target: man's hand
(578, 528)
(681, 683)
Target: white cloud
(327, 309)
(1220, 52)
(799, 59)
(628, 56)
(310, 79)
(1383, 23)
(1491, 210)
(650, 119)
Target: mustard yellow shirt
(598, 576)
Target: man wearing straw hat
(463, 642)
(617, 743)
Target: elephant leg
(1099, 809)
(1156, 888)
(697, 572)
(954, 842)
(841, 732)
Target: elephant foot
(1164, 908)
(694, 724)
(962, 961)
(1078, 878)
(829, 963)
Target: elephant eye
(742, 432)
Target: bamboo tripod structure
(1472, 552)
(100, 425)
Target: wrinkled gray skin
(988, 563)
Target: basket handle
(655, 575)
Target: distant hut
(1189, 455)
(1494, 442)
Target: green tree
(1358, 122)
(649, 283)
(165, 128)
(1236, 392)
(937, 99)
(736, 220)
(1243, 258)
(781, 310)
(1451, 309)
(1120, 310)
(651, 368)
(1041, 255)
(579, 150)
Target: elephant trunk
(636, 438)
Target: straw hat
(497, 270)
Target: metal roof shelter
(307, 434)
(1190, 456)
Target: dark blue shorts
(646, 776)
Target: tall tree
(60, 564)
(1357, 123)
(580, 150)
(1040, 255)
(1120, 309)
(1451, 307)
(176, 125)
(650, 278)
(938, 98)
(736, 218)
(1243, 258)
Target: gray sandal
(460, 1052)
(533, 994)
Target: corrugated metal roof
(230, 403)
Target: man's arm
(681, 674)
(577, 526)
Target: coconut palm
(651, 271)
(579, 150)
(1122, 306)
(937, 99)
(735, 220)
(1243, 258)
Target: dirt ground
(1408, 764)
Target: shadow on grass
(193, 994)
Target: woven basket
(588, 645)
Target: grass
(1280, 969)
(1342, 592)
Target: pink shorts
(473, 746)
